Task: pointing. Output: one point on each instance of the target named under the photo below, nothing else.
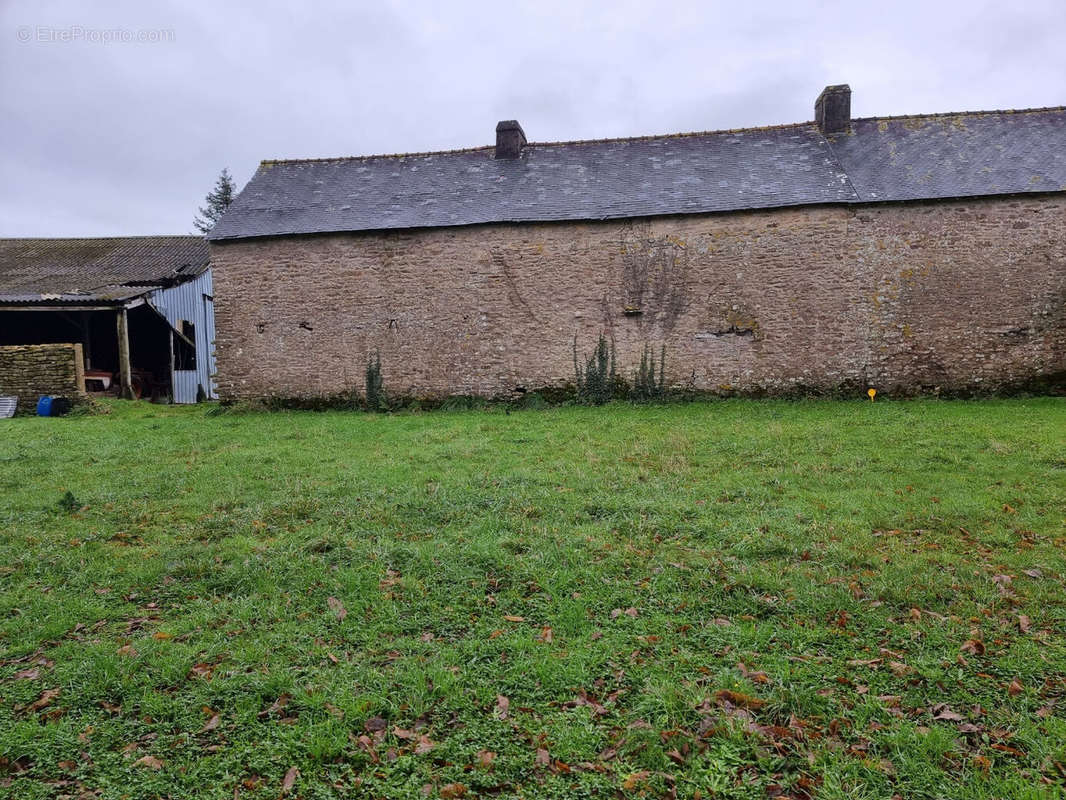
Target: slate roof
(885, 159)
(955, 155)
(106, 271)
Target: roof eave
(857, 202)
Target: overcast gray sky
(106, 134)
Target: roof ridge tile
(561, 143)
(947, 114)
(654, 136)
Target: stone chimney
(832, 109)
(510, 139)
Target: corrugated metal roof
(910, 158)
(102, 295)
(66, 271)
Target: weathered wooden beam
(173, 382)
(125, 372)
(41, 307)
(87, 331)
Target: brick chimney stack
(510, 138)
(832, 109)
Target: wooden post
(173, 387)
(125, 374)
(87, 339)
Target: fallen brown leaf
(149, 761)
(366, 744)
(1006, 748)
(1015, 688)
(46, 698)
(485, 758)
(289, 780)
(942, 712)
(630, 783)
(751, 675)
(739, 699)
(452, 790)
(503, 706)
(337, 607)
(212, 723)
(513, 618)
(1023, 623)
(334, 710)
(866, 662)
(276, 706)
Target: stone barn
(910, 254)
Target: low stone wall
(29, 371)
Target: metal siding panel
(185, 386)
(187, 302)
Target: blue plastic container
(44, 406)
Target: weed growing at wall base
(647, 385)
(597, 382)
(376, 399)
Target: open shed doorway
(97, 331)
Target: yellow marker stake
(871, 392)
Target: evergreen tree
(218, 201)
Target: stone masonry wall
(29, 371)
(903, 297)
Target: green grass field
(725, 599)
